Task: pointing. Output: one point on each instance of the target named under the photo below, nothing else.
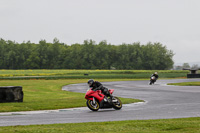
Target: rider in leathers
(155, 74)
(98, 86)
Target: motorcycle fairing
(90, 94)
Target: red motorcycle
(96, 100)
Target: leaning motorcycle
(96, 100)
(152, 80)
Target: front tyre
(92, 106)
(116, 103)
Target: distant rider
(98, 86)
(155, 75)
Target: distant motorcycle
(96, 100)
(152, 80)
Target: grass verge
(47, 95)
(186, 84)
(183, 125)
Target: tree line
(186, 66)
(89, 55)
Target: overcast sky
(174, 23)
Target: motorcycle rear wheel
(117, 105)
(92, 106)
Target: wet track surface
(161, 102)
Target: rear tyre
(117, 104)
(92, 106)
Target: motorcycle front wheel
(92, 106)
(117, 104)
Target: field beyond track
(88, 74)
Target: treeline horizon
(89, 55)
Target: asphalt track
(161, 102)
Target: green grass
(186, 84)
(47, 72)
(80, 74)
(47, 94)
(184, 125)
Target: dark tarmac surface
(161, 102)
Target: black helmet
(90, 82)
